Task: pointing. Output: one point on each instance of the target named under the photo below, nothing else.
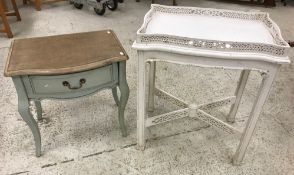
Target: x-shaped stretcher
(193, 111)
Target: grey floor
(82, 136)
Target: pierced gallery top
(213, 33)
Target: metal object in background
(98, 5)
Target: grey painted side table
(65, 67)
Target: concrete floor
(82, 136)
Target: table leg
(23, 109)
(16, 10)
(264, 89)
(39, 110)
(238, 93)
(6, 29)
(38, 4)
(152, 72)
(141, 102)
(4, 6)
(124, 96)
(114, 94)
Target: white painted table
(208, 38)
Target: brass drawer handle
(66, 83)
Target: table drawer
(74, 82)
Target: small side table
(65, 67)
(208, 38)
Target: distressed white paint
(173, 34)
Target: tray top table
(208, 38)
(64, 67)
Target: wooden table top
(63, 54)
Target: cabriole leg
(114, 94)
(124, 96)
(39, 110)
(23, 109)
(238, 93)
(152, 72)
(253, 118)
(141, 102)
